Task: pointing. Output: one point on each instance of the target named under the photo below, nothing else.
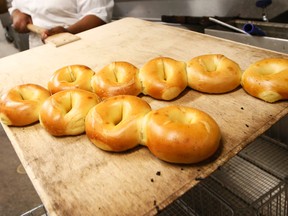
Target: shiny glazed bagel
(117, 78)
(267, 79)
(64, 112)
(71, 77)
(213, 73)
(20, 105)
(180, 134)
(163, 78)
(114, 124)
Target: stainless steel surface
(227, 25)
(151, 9)
(275, 44)
(276, 39)
(272, 29)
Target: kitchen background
(153, 9)
(17, 194)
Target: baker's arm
(20, 21)
(86, 23)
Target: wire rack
(269, 154)
(252, 183)
(37, 211)
(279, 130)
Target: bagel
(64, 112)
(267, 79)
(114, 124)
(71, 77)
(21, 104)
(163, 78)
(180, 134)
(213, 73)
(117, 78)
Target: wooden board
(73, 177)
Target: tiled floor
(17, 195)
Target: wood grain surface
(73, 177)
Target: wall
(153, 9)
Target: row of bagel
(72, 104)
(165, 78)
(175, 134)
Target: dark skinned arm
(20, 21)
(86, 23)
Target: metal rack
(252, 183)
(269, 154)
(37, 211)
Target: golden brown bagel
(179, 134)
(163, 78)
(213, 73)
(20, 105)
(71, 77)
(114, 124)
(64, 112)
(267, 79)
(117, 78)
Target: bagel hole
(69, 106)
(119, 73)
(164, 71)
(118, 115)
(117, 121)
(115, 72)
(21, 96)
(209, 66)
(71, 73)
(27, 94)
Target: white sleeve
(22, 5)
(12, 7)
(100, 8)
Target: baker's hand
(53, 31)
(20, 21)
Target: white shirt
(50, 13)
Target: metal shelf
(269, 154)
(252, 183)
(37, 211)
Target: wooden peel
(59, 39)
